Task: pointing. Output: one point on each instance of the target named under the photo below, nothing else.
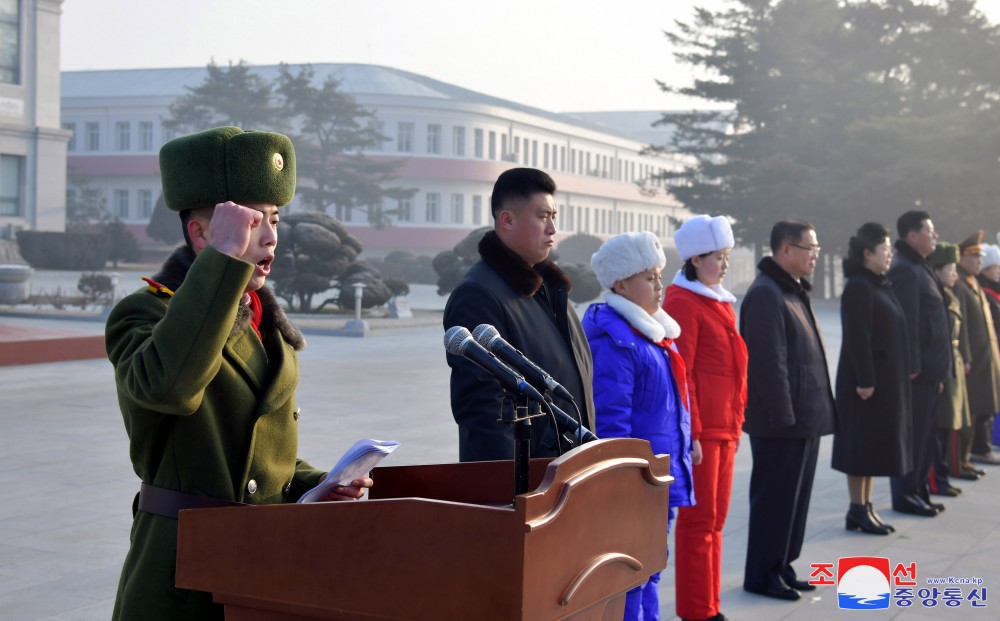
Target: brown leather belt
(168, 503)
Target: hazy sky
(558, 55)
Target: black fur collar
(986, 283)
(907, 251)
(175, 269)
(523, 278)
(769, 267)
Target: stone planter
(14, 283)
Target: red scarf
(257, 311)
(677, 367)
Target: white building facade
(32, 145)
(453, 143)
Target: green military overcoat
(953, 406)
(984, 355)
(209, 409)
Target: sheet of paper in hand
(357, 462)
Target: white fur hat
(702, 234)
(626, 255)
(991, 255)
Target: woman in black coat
(873, 384)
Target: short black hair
(519, 184)
(186, 216)
(870, 234)
(788, 231)
(911, 221)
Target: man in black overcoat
(790, 406)
(524, 295)
(921, 296)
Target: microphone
(459, 342)
(488, 336)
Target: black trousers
(940, 469)
(913, 484)
(780, 488)
(982, 434)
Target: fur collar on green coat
(175, 268)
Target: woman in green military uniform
(953, 406)
(205, 363)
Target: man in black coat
(921, 296)
(789, 407)
(516, 289)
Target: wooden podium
(444, 542)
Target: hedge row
(64, 251)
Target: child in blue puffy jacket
(639, 386)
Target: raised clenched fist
(230, 228)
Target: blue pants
(643, 603)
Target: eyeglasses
(812, 249)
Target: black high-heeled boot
(877, 519)
(858, 518)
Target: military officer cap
(227, 164)
(973, 244)
(944, 254)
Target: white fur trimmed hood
(655, 327)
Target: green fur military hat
(227, 164)
(944, 254)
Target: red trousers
(698, 535)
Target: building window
(404, 210)
(534, 153)
(10, 41)
(145, 135)
(545, 158)
(122, 136)
(478, 140)
(477, 209)
(70, 127)
(504, 152)
(93, 136)
(343, 213)
(145, 200)
(433, 138)
(11, 185)
(458, 208)
(121, 204)
(493, 145)
(404, 138)
(458, 141)
(433, 211)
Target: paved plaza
(65, 519)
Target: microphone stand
(525, 409)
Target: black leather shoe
(950, 491)
(878, 519)
(792, 581)
(937, 506)
(777, 589)
(921, 510)
(784, 593)
(969, 475)
(858, 519)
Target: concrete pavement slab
(63, 451)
